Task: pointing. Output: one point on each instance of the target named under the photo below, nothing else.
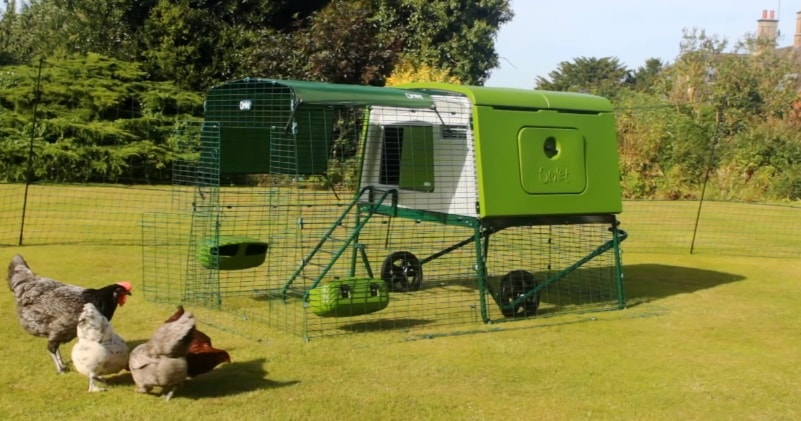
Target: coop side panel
(546, 162)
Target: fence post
(29, 171)
(715, 141)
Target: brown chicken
(202, 357)
(51, 309)
(161, 361)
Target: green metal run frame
(483, 230)
(618, 236)
(328, 236)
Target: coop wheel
(513, 285)
(402, 271)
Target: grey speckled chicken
(161, 361)
(49, 308)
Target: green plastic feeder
(231, 252)
(349, 297)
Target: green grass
(703, 338)
(733, 228)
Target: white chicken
(99, 350)
(161, 361)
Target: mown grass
(733, 228)
(703, 338)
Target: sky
(544, 33)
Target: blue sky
(544, 33)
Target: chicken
(99, 350)
(202, 356)
(161, 361)
(49, 308)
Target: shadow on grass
(231, 379)
(648, 282)
(225, 380)
(384, 324)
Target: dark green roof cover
(517, 98)
(323, 93)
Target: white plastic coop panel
(453, 189)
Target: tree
(346, 43)
(647, 77)
(98, 119)
(184, 43)
(32, 30)
(454, 34)
(718, 113)
(107, 27)
(198, 44)
(410, 71)
(693, 71)
(600, 76)
(7, 21)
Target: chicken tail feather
(18, 270)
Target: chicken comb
(126, 285)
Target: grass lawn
(703, 338)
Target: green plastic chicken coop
(404, 206)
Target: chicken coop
(325, 208)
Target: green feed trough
(231, 252)
(348, 297)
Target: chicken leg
(169, 394)
(55, 354)
(93, 387)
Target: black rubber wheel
(402, 272)
(513, 285)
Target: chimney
(797, 38)
(768, 27)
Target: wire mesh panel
(554, 256)
(165, 255)
(48, 213)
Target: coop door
(407, 157)
(552, 160)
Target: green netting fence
(712, 227)
(58, 213)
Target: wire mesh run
(441, 284)
(332, 219)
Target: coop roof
(516, 98)
(309, 92)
